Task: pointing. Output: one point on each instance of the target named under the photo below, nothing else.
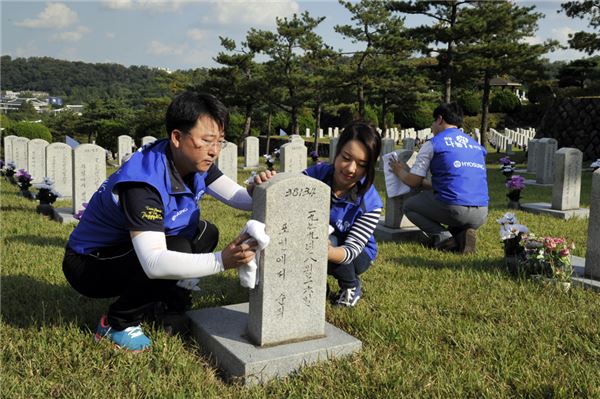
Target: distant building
(7, 104)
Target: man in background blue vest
(455, 203)
(141, 239)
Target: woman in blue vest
(141, 232)
(455, 203)
(355, 207)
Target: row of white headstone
(504, 142)
(76, 172)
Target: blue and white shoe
(349, 297)
(131, 339)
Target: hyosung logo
(467, 164)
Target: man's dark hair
(368, 136)
(451, 113)
(187, 107)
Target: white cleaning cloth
(248, 272)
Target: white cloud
(150, 5)
(562, 34)
(254, 12)
(110, 35)
(533, 40)
(196, 34)
(55, 15)
(72, 36)
(159, 48)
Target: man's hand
(398, 166)
(261, 178)
(238, 252)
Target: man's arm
(415, 176)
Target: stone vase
(513, 199)
(26, 193)
(45, 209)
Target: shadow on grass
(495, 265)
(14, 208)
(39, 241)
(28, 302)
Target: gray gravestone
(36, 159)
(408, 144)
(293, 268)
(333, 148)
(227, 161)
(294, 138)
(283, 327)
(293, 157)
(387, 146)
(251, 151)
(20, 152)
(89, 171)
(592, 255)
(531, 151)
(567, 179)
(148, 140)
(59, 167)
(125, 147)
(544, 158)
(8, 148)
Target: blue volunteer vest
(103, 221)
(458, 169)
(344, 212)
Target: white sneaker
(349, 296)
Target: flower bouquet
(8, 171)
(314, 155)
(548, 258)
(24, 182)
(46, 195)
(507, 167)
(514, 185)
(510, 234)
(269, 161)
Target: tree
(150, 119)
(584, 41)
(447, 15)
(62, 124)
(287, 49)
(31, 130)
(106, 120)
(579, 73)
(375, 66)
(494, 43)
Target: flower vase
(11, 179)
(513, 205)
(26, 193)
(513, 254)
(45, 209)
(513, 199)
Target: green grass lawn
(432, 324)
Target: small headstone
(531, 153)
(20, 152)
(320, 133)
(227, 161)
(8, 148)
(329, 132)
(293, 157)
(295, 138)
(567, 179)
(125, 147)
(546, 148)
(36, 159)
(387, 146)
(307, 132)
(59, 167)
(333, 148)
(408, 144)
(336, 132)
(251, 157)
(89, 171)
(592, 255)
(148, 140)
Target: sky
(184, 34)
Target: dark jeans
(347, 274)
(116, 272)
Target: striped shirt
(359, 233)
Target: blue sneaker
(349, 296)
(131, 339)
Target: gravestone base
(251, 167)
(64, 216)
(385, 233)
(222, 333)
(532, 182)
(546, 208)
(579, 278)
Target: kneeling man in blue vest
(141, 239)
(454, 204)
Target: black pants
(347, 274)
(117, 272)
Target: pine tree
(584, 41)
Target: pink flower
(564, 252)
